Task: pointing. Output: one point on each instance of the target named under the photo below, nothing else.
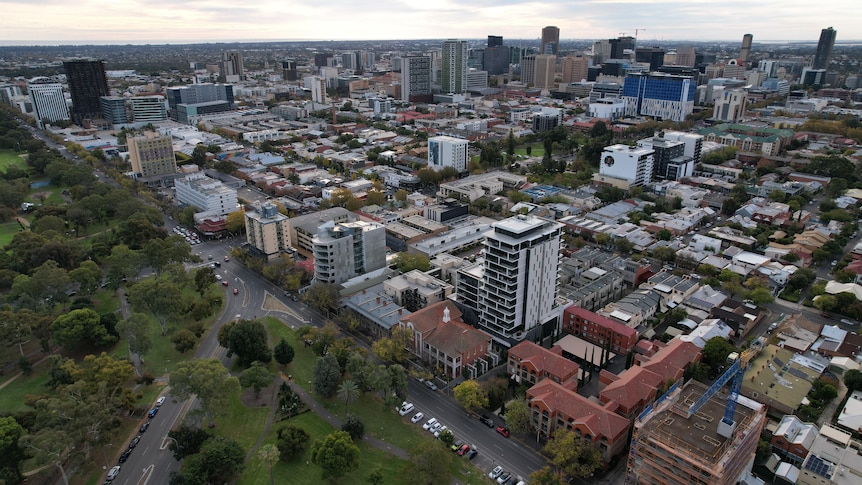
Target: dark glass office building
(87, 84)
(823, 56)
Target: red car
(236, 291)
(224, 282)
(463, 449)
(503, 431)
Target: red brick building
(554, 407)
(441, 339)
(530, 363)
(599, 330)
(630, 392)
(793, 439)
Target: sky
(193, 21)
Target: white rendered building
(345, 250)
(630, 164)
(266, 230)
(208, 195)
(49, 103)
(447, 151)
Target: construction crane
(734, 375)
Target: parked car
(134, 442)
(218, 277)
(428, 424)
(430, 385)
(487, 421)
(143, 428)
(113, 472)
(496, 472)
(846, 321)
(124, 456)
(152, 413)
(160, 401)
(440, 431)
(504, 478)
(463, 450)
(503, 431)
(417, 417)
(472, 454)
(406, 408)
(457, 445)
(210, 257)
(435, 427)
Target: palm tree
(269, 454)
(348, 390)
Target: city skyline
(136, 22)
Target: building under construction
(681, 439)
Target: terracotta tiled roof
(426, 320)
(672, 358)
(453, 337)
(606, 322)
(544, 360)
(633, 385)
(572, 406)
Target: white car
(847, 322)
(418, 417)
(436, 427)
(160, 401)
(406, 408)
(440, 431)
(218, 277)
(428, 424)
(113, 472)
(496, 472)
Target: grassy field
(242, 423)
(13, 395)
(300, 471)
(380, 423)
(302, 367)
(8, 231)
(537, 151)
(53, 198)
(9, 158)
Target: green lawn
(8, 231)
(300, 471)
(242, 423)
(302, 367)
(537, 151)
(53, 199)
(12, 397)
(381, 423)
(9, 158)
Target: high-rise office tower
(550, 40)
(659, 95)
(686, 56)
(745, 50)
(49, 103)
(288, 69)
(152, 154)
(528, 69)
(453, 72)
(620, 45)
(574, 69)
(824, 48)
(233, 68)
(416, 79)
(495, 40)
(652, 55)
(544, 74)
(87, 85)
(515, 293)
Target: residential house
(530, 363)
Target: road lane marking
(147, 473)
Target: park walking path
(324, 413)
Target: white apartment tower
(348, 249)
(730, 106)
(49, 103)
(209, 195)
(447, 151)
(317, 85)
(266, 231)
(632, 165)
(516, 297)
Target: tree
(159, 296)
(135, 330)
(375, 477)
(256, 377)
(235, 221)
(48, 446)
(247, 339)
(715, 351)
(283, 352)
(573, 455)
(447, 438)
(327, 375)
(406, 262)
(80, 325)
(429, 463)
(336, 454)
(207, 378)
(87, 276)
(269, 454)
(219, 461)
(518, 415)
(158, 253)
(204, 277)
(347, 391)
(394, 348)
(187, 440)
(853, 380)
(761, 296)
(471, 395)
(11, 453)
(664, 235)
(353, 426)
(184, 340)
(291, 441)
(546, 476)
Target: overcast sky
(191, 21)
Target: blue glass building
(658, 95)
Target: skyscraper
(516, 297)
(49, 104)
(453, 74)
(495, 40)
(152, 154)
(233, 69)
(686, 56)
(544, 74)
(745, 50)
(824, 48)
(416, 79)
(550, 40)
(574, 69)
(288, 69)
(87, 84)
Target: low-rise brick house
(530, 363)
(793, 439)
(599, 330)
